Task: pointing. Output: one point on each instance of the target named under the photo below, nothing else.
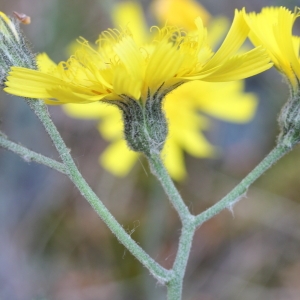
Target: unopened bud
(8, 27)
(14, 48)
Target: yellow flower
(221, 100)
(226, 101)
(121, 66)
(180, 13)
(125, 65)
(272, 28)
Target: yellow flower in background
(272, 28)
(226, 101)
(130, 14)
(180, 13)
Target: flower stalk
(236, 194)
(181, 260)
(137, 84)
(40, 109)
(29, 155)
(161, 173)
(174, 286)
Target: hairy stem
(161, 173)
(236, 194)
(29, 155)
(160, 273)
(174, 286)
(172, 278)
(185, 244)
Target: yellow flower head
(226, 101)
(273, 29)
(121, 66)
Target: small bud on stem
(14, 48)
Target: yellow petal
(118, 159)
(233, 106)
(45, 64)
(284, 38)
(163, 65)
(111, 126)
(272, 28)
(173, 159)
(241, 66)
(236, 36)
(195, 144)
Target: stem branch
(185, 244)
(29, 155)
(236, 194)
(160, 273)
(161, 173)
(174, 286)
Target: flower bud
(7, 27)
(14, 48)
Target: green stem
(161, 173)
(185, 244)
(29, 155)
(235, 195)
(160, 273)
(174, 286)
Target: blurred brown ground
(54, 247)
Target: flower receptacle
(289, 121)
(145, 124)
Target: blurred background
(54, 246)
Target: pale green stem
(173, 278)
(239, 191)
(190, 222)
(29, 155)
(161, 173)
(161, 274)
(174, 286)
